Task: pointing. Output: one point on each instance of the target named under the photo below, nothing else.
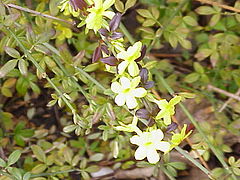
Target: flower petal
(133, 69)
(175, 100)
(139, 92)
(107, 3)
(120, 99)
(122, 66)
(136, 140)
(97, 4)
(167, 119)
(157, 135)
(108, 14)
(161, 114)
(116, 87)
(140, 153)
(131, 102)
(152, 156)
(135, 81)
(125, 82)
(163, 146)
(162, 103)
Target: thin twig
(40, 14)
(211, 87)
(228, 101)
(219, 5)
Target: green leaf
(19, 140)
(149, 22)
(217, 172)
(52, 7)
(12, 52)
(91, 67)
(205, 10)
(198, 68)
(39, 168)
(85, 175)
(172, 171)
(185, 43)
(22, 85)
(129, 4)
(39, 153)
(22, 66)
(190, 78)
(119, 6)
(93, 168)
(231, 160)
(6, 68)
(190, 21)
(178, 165)
(203, 53)
(27, 176)
(236, 171)
(96, 157)
(16, 173)
(214, 20)
(6, 92)
(13, 158)
(172, 38)
(2, 163)
(145, 13)
(69, 128)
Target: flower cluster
(131, 85)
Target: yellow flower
(129, 57)
(64, 32)
(68, 9)
(95, 18)
(149, 143)
(167, 109)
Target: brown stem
(213, 88)
(228, 101)
(39, 14)
(219, 5)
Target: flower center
(126, 90)
(148, 143)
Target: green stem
(41, 70)
(54, 173)
(196, 163)
(216, 151)
(56, 59)
(126, 33)
(91, 79)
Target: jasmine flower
(128, 92)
